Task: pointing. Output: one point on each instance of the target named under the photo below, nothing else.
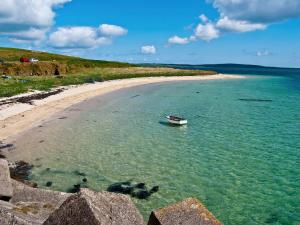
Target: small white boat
(176, 120)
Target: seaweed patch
(138, 190)
(255, 100)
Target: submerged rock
(140, 185)
(75, 188)
(154, 189)
(142, 194)
(49, 184)
(21, 171)
(139, 190)
(121, 187)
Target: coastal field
(23, 77)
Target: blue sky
(191, 32)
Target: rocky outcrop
(187, 212)
(24, 205)
(9, 218)
(103, 208)
(24, 193)
(25, 213)
(20, 170)
(30, 205)
(6, 190)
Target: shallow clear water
(240, 158)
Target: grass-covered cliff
(55, 70)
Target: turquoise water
(240, 158)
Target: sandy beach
(18, 117)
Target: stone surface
(187, 212)
(31, 205)
(24, 193)
(5, 204)
(96, 208)
(5, 181)
(9, 217)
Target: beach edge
(16, 118)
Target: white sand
(18, 117)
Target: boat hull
(176, 122)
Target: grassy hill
(55, 70)
(13, 55)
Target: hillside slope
(58, 70)
(11, 55)
(49, 64)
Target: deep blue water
(245, 69)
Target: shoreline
(16, 118)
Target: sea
(239, 154)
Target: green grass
(13, 55)
(79, 71)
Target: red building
(24, 59)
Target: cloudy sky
(170, 31)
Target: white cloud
(178, 40)
(29, 35)
(203, 18)
(238, 25)
(112, 30)
(26, 20)
(263, 53)
(258, 11)
(207, 32)
(244, 16)
(77, 37)
(148, 50)
(20, 15)
(82, 37)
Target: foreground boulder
(24, 193)
(29, 205)
(187, 212)
(29, 213)
(6, 190)
(96, 208)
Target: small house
(24, 60)
(33, 60)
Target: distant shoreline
(18, 117)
